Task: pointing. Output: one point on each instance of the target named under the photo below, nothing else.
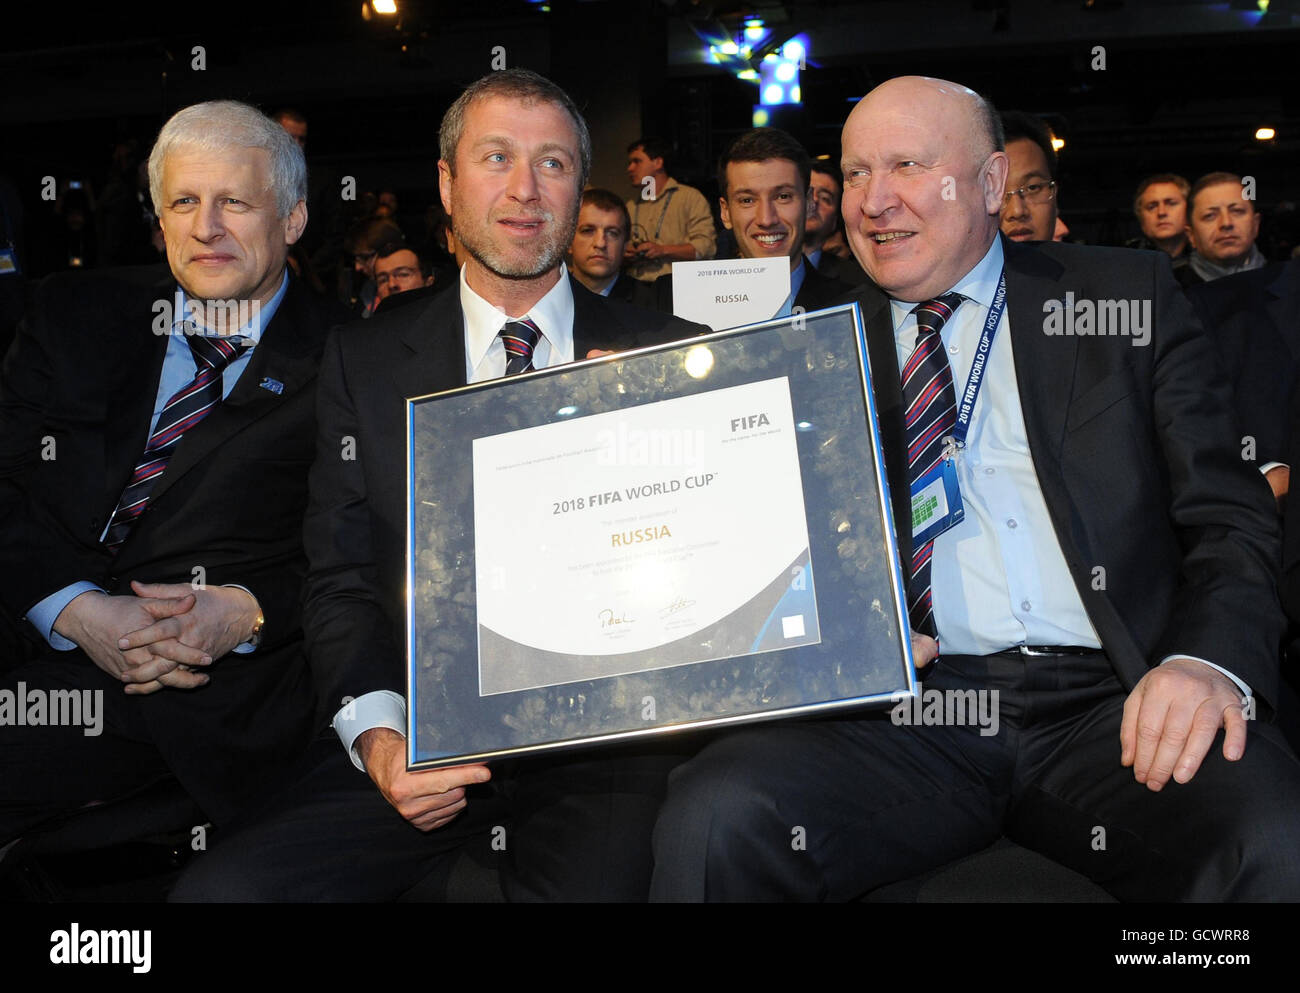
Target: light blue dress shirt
(999, 578)
(178, 369)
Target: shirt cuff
(45, 613)
(1245, 689)
(1268, 467)
(380, 709)
(244, 647)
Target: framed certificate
(682, 536)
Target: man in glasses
(1029, 207)
(364, 242)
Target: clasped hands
(162, 635)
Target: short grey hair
(219, 125)
(991, 125)
(517, 84)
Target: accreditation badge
(936, 503)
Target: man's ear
(444, 185)
(725, 211)
(995, 170)
(295, 223)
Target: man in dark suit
(596, 255)
(764, 177)
(1253, 319)
(1112, 580)
(515, 154)
(825, 191)
(156, 433)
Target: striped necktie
(520, 338)
(186, 408)
(930, 406)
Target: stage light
(1057, 143)
(748, 74)
(773, 93)
(754, 29)
(384, 6)
(729, 48)
(1265, 134)
(785, 72)
(795, 51)
(760, 117)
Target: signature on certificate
(678, 604)
(608, 618)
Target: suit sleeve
(41, 556)
(1225, 605)
(349, 637)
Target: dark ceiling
(1184, 86)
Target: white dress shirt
(485, 358)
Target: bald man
(1107, 598)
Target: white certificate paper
(730, 293)
(655, 536)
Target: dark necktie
(930, 406)
(186, 408)
(520, 338)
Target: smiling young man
(1111, 585)
(359, 826)
(156, 429)
(763, 179)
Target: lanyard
(667, 198)
(976, 378)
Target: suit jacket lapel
(132, 387)
(288, 354)
(882, 356)
(1045, 364)
(435, 337)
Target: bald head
(968, 117)
(924, 173)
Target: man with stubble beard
(358, 825)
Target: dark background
(1185, 86)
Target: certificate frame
(861, 656)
